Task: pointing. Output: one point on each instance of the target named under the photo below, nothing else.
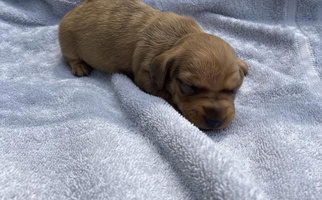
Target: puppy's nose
(214, 123)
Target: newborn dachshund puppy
(167, 55)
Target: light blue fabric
(100, 137)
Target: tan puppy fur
(167, 55)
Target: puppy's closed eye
(187, 88)
(228, 91)
(231, 91)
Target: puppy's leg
(79, 67)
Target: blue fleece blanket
(100, 137)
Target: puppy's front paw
(80, 68)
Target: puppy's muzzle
(213, 122)
(218, 116)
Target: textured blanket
(100, 137)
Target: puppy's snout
(214, 123)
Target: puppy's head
(202, 75)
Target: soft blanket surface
(100, 137)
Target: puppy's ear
(159, 68)
(243, 66)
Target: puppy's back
(100, 29)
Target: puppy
(165, 54)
